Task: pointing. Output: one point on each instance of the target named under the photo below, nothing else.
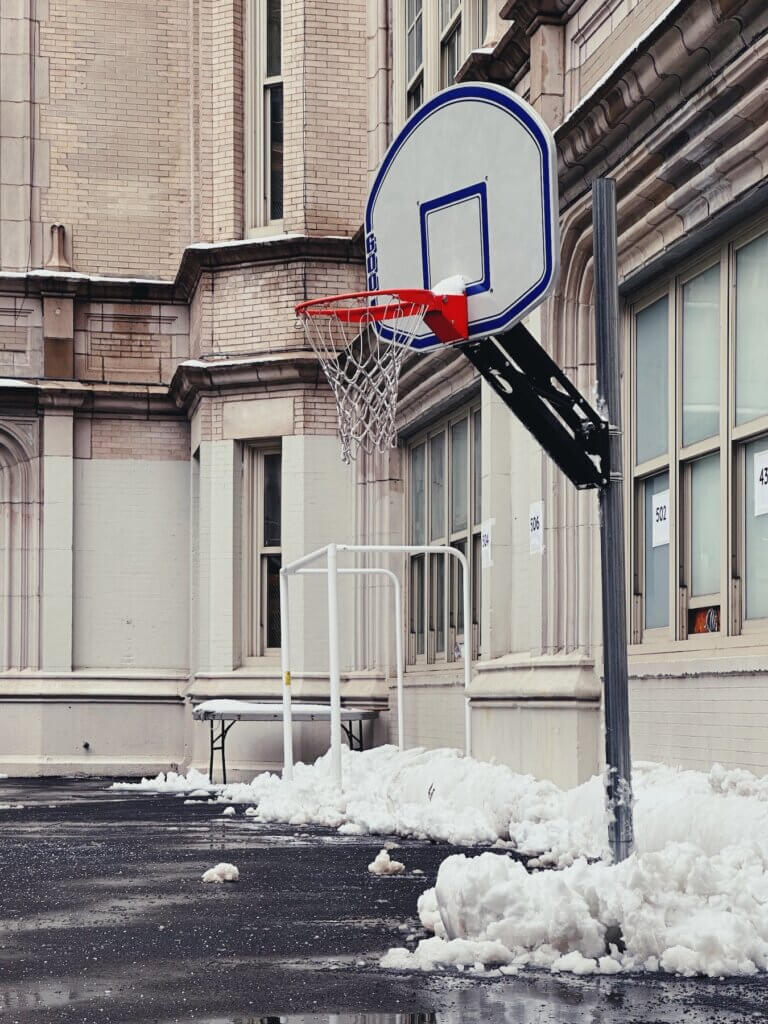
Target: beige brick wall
(152, 440)
(250, 310)
(118, 123)
(325, 116)
(314, 409)
(698, 720)
(433, 714)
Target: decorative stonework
(21, 338)
(139, 344)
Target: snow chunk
(382, 865)
(228, 812)
(171, 782)
(223, 872)
(454, 285)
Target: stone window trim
(712, 466)
(262, 551)
(435, 620)
(263, 84)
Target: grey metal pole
(612, 569)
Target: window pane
(273, 37)
(457, 590)
(418, 494)
(477, 479)
(651, 378)
(450, 52)
(751, 316)
(413, 8)
(414, 48)
(417, 601)
(701, 356)
(756, 530)
(437, 486)
(272, 500)
(705, 526)
(437, 605)
(656, 562)
(415, 97)
(447, 9)
(275, 102)
(483, 26)
(271, 603)
(459, 454)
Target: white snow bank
(382, 865)
(679, 910)
(442, 795)
(222, 873)
(171, 782)
(436, 794)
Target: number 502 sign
(660, 521)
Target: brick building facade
(174, 177)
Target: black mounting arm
(545, 401)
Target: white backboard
(468, 187)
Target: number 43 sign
(761, 483)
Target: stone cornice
(253, 252)
(194, 377)
(661, 76)
(195, 260)
(139, 400)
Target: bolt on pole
(612, 550)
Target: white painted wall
(319, 504)
(131, 564)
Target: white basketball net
(363, 369)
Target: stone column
(216, 558)
(58, 505)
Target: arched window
(19, 547)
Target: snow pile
(228, 812)
(435, 794)
(678, 910)
(382, 865)
(222, 873)
(171, 782)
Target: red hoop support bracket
(445, 315)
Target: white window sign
(660, 513)
(760, 470)
(486, 532)
(536, 527)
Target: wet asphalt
(103, 918)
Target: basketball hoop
(361, 340)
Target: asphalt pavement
(103, 918)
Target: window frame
(257, 122)
(730, 442)
(256, 553)
(421, 565)
(468, 17)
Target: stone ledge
(549, 678)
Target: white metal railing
(299, 567)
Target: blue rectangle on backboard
(463, 213)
